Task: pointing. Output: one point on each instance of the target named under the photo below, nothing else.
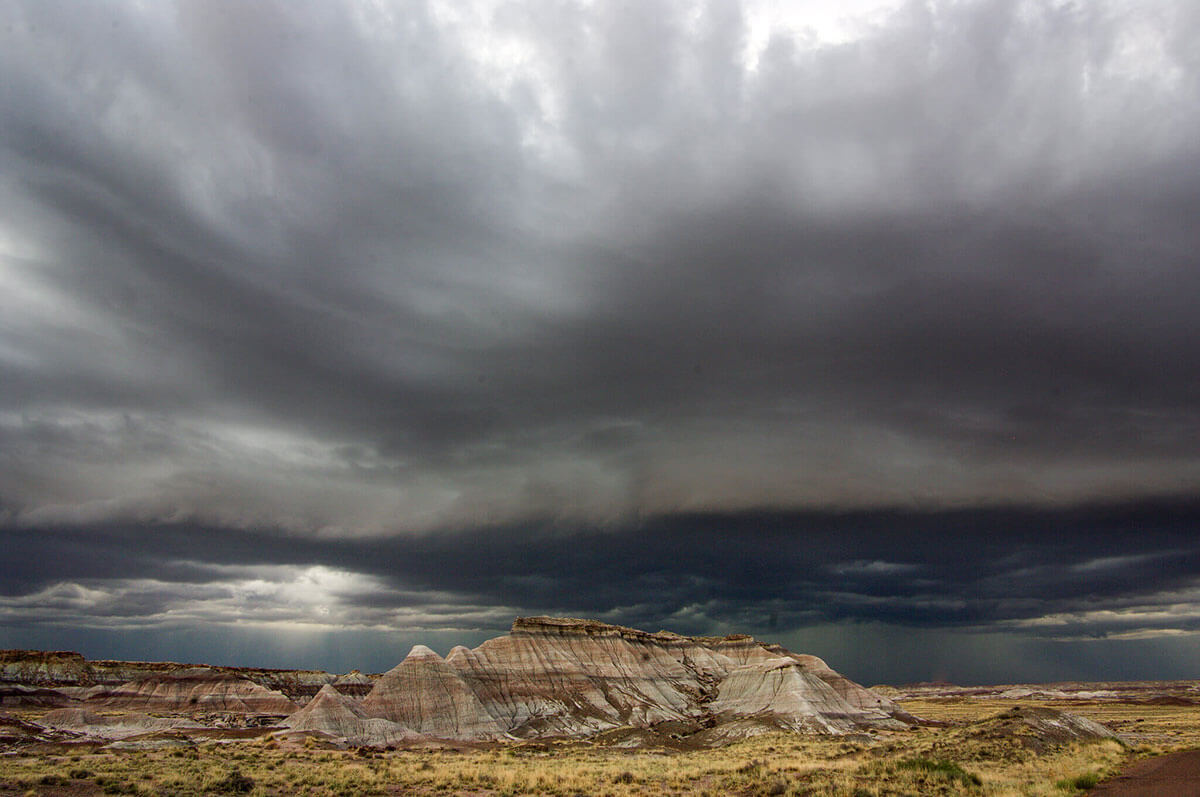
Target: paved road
(1171, 775)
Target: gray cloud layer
(1077, 583)
(376, 268)
(337, 315)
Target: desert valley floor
(565, 707)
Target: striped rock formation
(198, 689)
(576, 678)
(354, 683)
(428, 695)
(338, 716)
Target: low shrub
(1079, 783)
(947, 770)
(234, 783)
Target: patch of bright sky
(811, 22)
(22, 296)
(505, 58)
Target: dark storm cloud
(1069, 573)
(388, 267)
(336, 317)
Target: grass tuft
(1082, 782)
(948, 770)
(234, 783)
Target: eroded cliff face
(44, 668)
(577, 678)
(70, 672)
(335, 714)
(427, 695)
(196, 690)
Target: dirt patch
(1172, 775)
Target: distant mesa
(70, 674)
(197, 689)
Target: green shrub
(947, 770)
(1079, 783)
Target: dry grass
(923, 761)
(1155, 726)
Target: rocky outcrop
(198, 689)
(44, 668)
(577, 678)
(298, 685)
(16, 732)
(92, 725)
(113, 673)
(340, 717)
(354, 683)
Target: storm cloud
(1069, 580)
(416, 282)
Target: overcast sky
(335, 326)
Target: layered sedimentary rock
(198, 689)
(21, 696)
(784, 692)
(299, 685)
(428, 695)
(72, 673)
(112, 673)
(566, 677)
(354, 683)
(44, 668)
(336, 715)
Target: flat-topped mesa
(573, 626)
(569, 677)
(69, 670)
